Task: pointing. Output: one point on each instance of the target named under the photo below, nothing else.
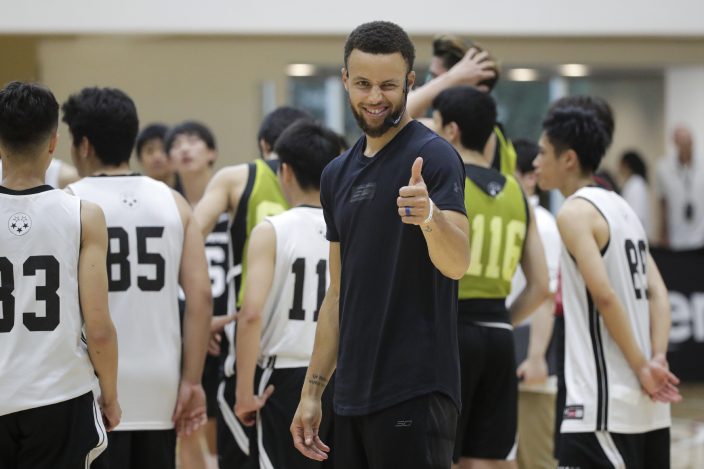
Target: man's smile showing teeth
(376, 111)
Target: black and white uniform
(604, 396)
(289, 321)
(48, 417)
(146, 236)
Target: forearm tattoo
(318, 380)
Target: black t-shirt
(398, 313)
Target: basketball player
(617, 314)
(287, 279)
(153, 157)
(192, 150)
(248, 193)
(503, 233)
(388, 323)
(53, 283)
(538, 385)
(154, 246)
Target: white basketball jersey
(43, 357)
(300, 281)
(145, 233)
(603, 393)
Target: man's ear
(345, 78)
(264, 147)
(53, 141)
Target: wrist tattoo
(317, 380)
(427, 228)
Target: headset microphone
(397, 121)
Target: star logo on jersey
(19, 224)
(494, 188)
(129, 199)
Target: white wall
(497, 17)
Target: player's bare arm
(446, 232)
(195, 282)
(585, 232)
(536, 272)
(261, 255)
(306, 421)
(222, 195)
(93, 291)
(534, 369)
(474, 68)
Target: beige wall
(218, 79)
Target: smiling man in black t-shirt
(395, 214)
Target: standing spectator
(680, 182)
(635, 186)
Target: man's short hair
(474, 113)
(156, 131)
(381, 37)
(598, 105)
(526, 153)
(579, 129)
(107, 117)
(29, 115)
(196, 128)
(307, 147)
(450, 49)
(277, 121)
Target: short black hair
(381, 37)
(150, 132)
(277, 121)
(29, 115)
(633, 161)
(526, 152)
(107, 117)
(598, 105)
(307, 147)
(579, 129)
(450, 49)
(190, 128)
(474, 113)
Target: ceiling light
(574, 70)
(523, 74)
(300, 70)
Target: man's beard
(381, 129)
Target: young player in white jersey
(52, 286)
(617, 315)
(287, 280)
(154, 246)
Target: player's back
(299, 285)
(146, 235)
(614, 401)
(43, 359)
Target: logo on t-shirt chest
(363, 192)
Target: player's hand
(112, 413)
(533, 370)
(472, 69)
(190, 413)
(413, 201)
(246, 408)
(217, 324)
(658, 382)
(305, 427)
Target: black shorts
(211, 381)
(415, 434)
(650, 450)
(67, 434)
(488, 422)
(236, 443)
(275, 444)
(139, 449)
